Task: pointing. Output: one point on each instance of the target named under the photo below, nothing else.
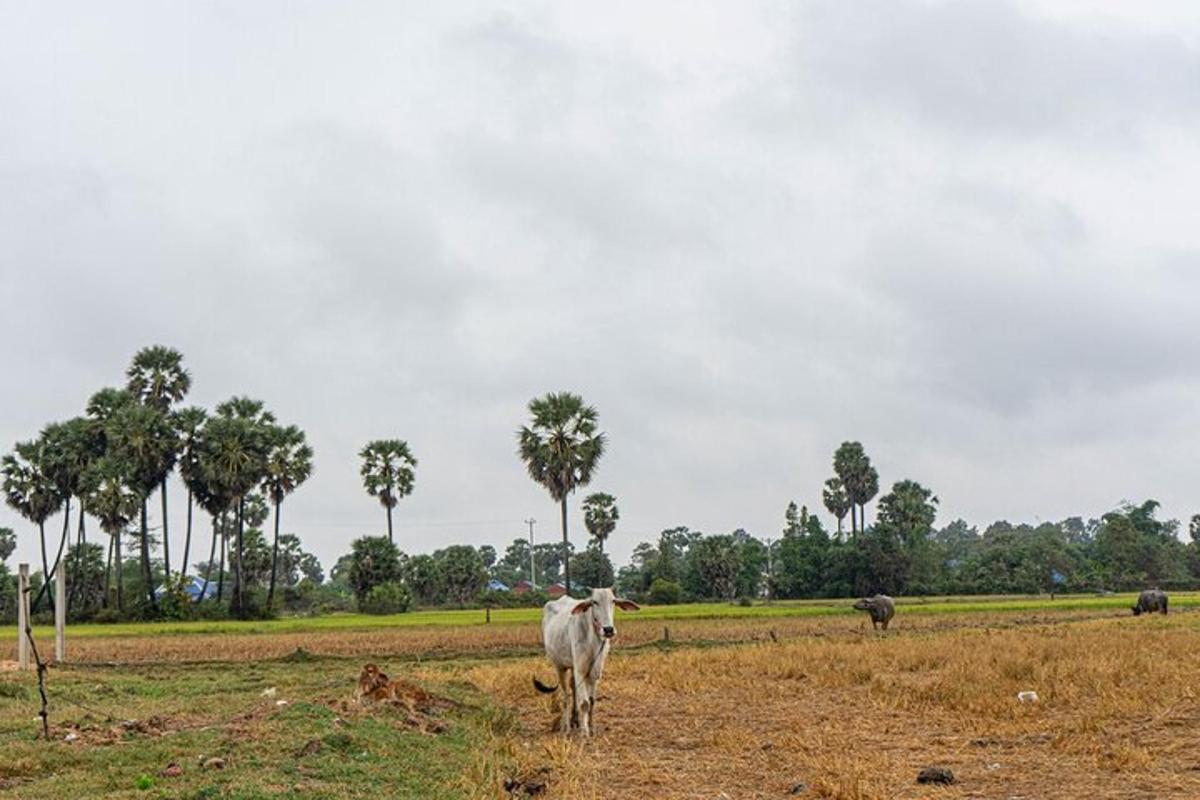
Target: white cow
(576, 635)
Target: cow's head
(865, 604)
(1137, 609)
(599, 608)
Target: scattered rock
(269, 692)
(280, 703)
(1027, 697)
(939, 775)
(173, 770)
(216, 762)
(798, 788)
(70, 737)
(767, 746)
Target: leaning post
(60, 613)
(22, 615)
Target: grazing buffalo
(576, 635)
(880, 607)
(1150, 601)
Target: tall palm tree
(70, 448)
(561, 448)
(110, 498)
(208, 496)
(142, 438)
(388, 472)
(235, 456)
(245, 408)
(156, 378)
(837, 502)
(31, 491)
(189, 424)
(289, 464)
(600, 515)
(859, 478)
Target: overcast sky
(964, 234)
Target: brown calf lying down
(374, 686)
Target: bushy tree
(374, 560)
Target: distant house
(194, 587)
(522, 587)
(497, 586)
(556, 590)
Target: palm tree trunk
(45, 566)
(76, 578)
(212, 554)
(239, 580)
(274, 558)
(166, 537)
(62, 543)
(389, 516)
(147, 573)
(108, 574)
(187, 539)
(566, 553)
(120, 572)
(221, 569)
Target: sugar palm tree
(30, 490)
(289, 463)
(234, 458)
(561, 448)
(156, 378)
(189, 424)
(388, 472)
(600, 515)
(837, 502)
(69, 449)
(110, 498)
(142, 439)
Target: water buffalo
(1150, 601)
(880, 607)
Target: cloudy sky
(962, 233)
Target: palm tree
(560, 448)
(289, 463)
(600, 515)
(142, 438)
(156, 378)
(31, 491)
(234, 457)
(836, 500)
(859, 479)
(70, 448)
(110, 498)
(189, 423)
(388, 473)
(245, 408)
(207, 494)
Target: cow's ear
(627, 605)
(581, 606)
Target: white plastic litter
(1027, 697)
(268, 692)
(281, 703)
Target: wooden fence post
(22, 615)
(60, 613)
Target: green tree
(908, 511)
(30, 490)
(111, 498)
(236, 446)
(714, 566)
(837, 502)
(143, 439)
(463, 572)
(593, 569)
(156, 378)
(600, 515)
(189, 426)
(861, 481)
(374, 560)
(388, 472)
(8, 543)
(426, 580)
(289, 464)
(561, 447)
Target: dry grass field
(808, 707)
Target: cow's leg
(567, 701)
(583, 702)
(885, 624)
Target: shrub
(391, 597)
(664, 592)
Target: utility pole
(770, 572)
(532, 574)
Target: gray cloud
(958, 232)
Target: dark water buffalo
(880, 607)
(1150, 601)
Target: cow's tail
(543, 688)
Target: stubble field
(737, 706)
